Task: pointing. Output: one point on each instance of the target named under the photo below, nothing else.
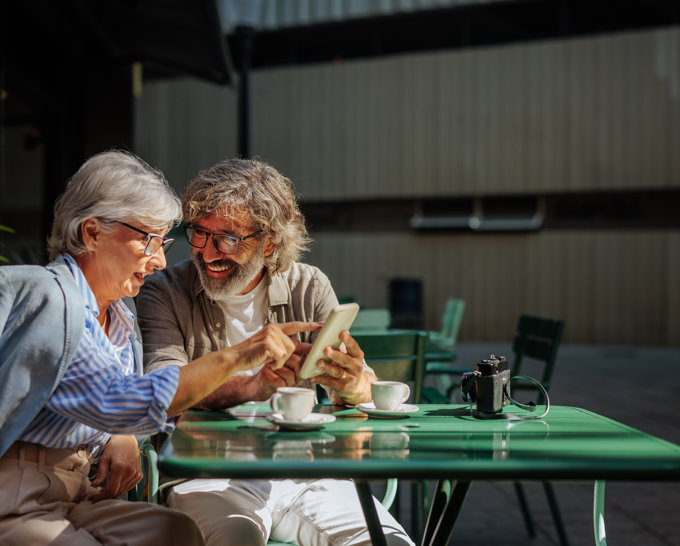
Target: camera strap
(530, 406)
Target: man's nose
(210, 253)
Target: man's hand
(268, 379)
(120, 468)
(345, 373)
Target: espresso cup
(293, 403)
(389, 395)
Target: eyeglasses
(153, 242)
(226, 244)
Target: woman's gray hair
(111, 186)
(267, 196)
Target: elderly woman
(71, 389)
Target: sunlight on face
(118, 265)
(227, 275)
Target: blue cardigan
(42, 317)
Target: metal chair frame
(368, 320)
(399, 355)
(538, 339)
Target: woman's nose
(158, 260)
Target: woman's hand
(120, 468)
(272, 346)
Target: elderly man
(247, 233)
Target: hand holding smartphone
(341, 318)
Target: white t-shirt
(245, 315)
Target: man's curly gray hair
(267, 196)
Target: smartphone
(341, 318)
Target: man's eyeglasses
(153, 242)
(226, 244)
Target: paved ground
(636, 386)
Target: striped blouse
(99, 394)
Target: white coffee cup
(389, 395)
(293, 403)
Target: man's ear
(90, 231)
(270, 246)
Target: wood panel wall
(609, 287)
(598, 113)
(593, 113)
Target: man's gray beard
(237, 282)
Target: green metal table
(441, 442)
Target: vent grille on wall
(486, 215)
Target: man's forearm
(237, 390)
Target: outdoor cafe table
(438, 442)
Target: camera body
(488, 386)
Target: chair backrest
(451, 319)
(396, 355)
(537, 338)
(371, 320)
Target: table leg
(598, 514)
(370, 513)
(445, 508)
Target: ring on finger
(342, 375)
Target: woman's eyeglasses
(154, 242)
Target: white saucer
(312, 422)
(399, 413)
(249, 412)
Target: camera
(488, 386)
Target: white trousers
(309, 513)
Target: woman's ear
(90, 231)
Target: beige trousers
(43, 500)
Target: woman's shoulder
(32, 276)
(53, 282)
(39, 295)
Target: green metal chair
(399, 355)
(445, 339)
(441, 353)
(147, 489)
(537, 340)
(368, 320)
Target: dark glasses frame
(218, 238)
(165, 244)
